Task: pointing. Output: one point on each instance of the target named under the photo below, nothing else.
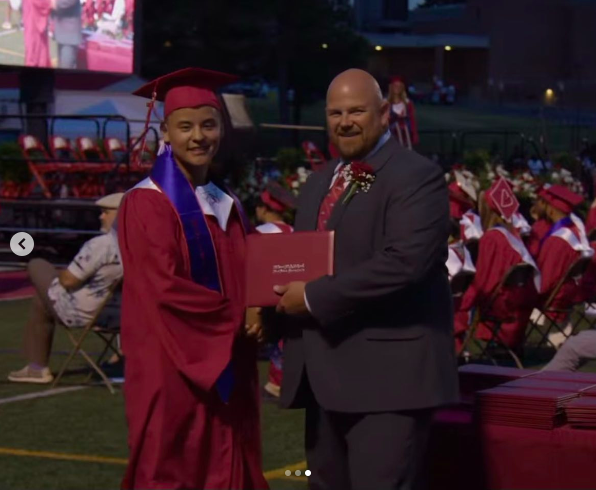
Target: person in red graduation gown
(591, 218)
(539, 229)
(563, 244)
(274, 203)
(500, 249)
(402, 117)
(37, 43)
(191, 392)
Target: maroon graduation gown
(177, 337)
(513, 306)
(554, 260)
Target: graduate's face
(356, 118)
(539, 209)
(194, 134)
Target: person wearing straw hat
(191, 392)
(70, 296)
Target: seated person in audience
(591, 218)
(459, 261)
(520, 223)
(538, 231)
(275, 202)
(575, 352)
(564, 243)
(500, 249)
(71, 296)
(462, 207)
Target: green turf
(91, 422)
(12, 48)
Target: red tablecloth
(464, 455)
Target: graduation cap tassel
(150, 105)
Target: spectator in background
(575, 352)
(402, 117)
(37, 43)
(67, 31)
(71, 296)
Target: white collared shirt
(215, 202)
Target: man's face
(355, 122)
(107, 218)
(194, 134)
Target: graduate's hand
(292, 300)
(254, 323)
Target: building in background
(524, 51)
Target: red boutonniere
(360, 176)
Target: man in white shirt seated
(71, 296)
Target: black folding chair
(106, 326)
(460, 282)
(545, 322)
(517, 276)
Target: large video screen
(94, 35)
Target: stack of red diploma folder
(523, 407)
(581, 413)
(476, 377)
(277, 259)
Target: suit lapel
(377, 161)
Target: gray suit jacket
(382, 334)
(67, 22)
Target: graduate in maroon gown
(591, 218)
(500, 249)
(37, 43)
(192, 395)
(564, 243)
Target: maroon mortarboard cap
(190, 87)
(397, 78)
(561, 198)
(277, 198)
(501, 199)
(459, 201)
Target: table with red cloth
(467, 454)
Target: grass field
(77, 440)
(90, 424)
(12, 48)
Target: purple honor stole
(203, 257)
(562, 223)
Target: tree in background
(281, 40)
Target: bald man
(369, 351)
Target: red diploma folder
(279, 258)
